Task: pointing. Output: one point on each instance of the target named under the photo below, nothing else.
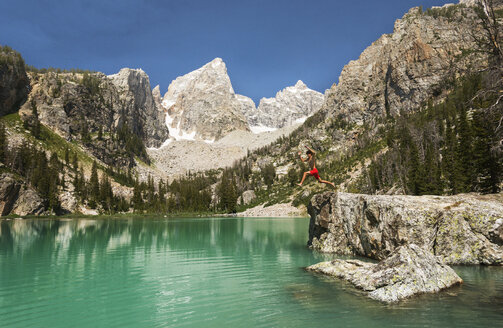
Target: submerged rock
(410, 270)
(460, 229)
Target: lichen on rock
(460, 229)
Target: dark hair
(309, 152)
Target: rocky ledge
(460, 229)
(409, 270)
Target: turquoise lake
(229, 272)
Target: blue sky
(266, 44)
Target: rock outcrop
(290, 106)
(78, 105)
(14, 83)
(17, 198)
(202, 105)
(460, 229)
(410, 270)
(134, 90)
(402, 70)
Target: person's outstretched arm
(300, 156)
(310, 150)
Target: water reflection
(24, 237)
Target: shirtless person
(312, 164)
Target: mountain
(134, 90)
(202, 105)
(418, 112)
(14, 83)
(290, 106)
(402, 70)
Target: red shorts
(314, 173)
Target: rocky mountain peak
(202, 105)
(290, 106)
(300, 85)
(156, 93)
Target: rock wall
(141, 105)
(461, 229)
(14, 83)
(17, 198)
(401, 70)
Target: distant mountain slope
(290, 106)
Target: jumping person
(312, 165)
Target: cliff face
(77, 106)
(401, 70)
(135, 93)
(14, 83)
(461, 229)
(18, 198)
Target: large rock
(247, 197)
(14, 83)
(409, 270)
(202, 105)
(290, 106)
(17, 198)
(461, 229)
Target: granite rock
(409, 270)
(460, 229)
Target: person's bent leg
(303, 178)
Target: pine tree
(35, 122)
(489, 166)
(451, 167)
(3, 143)
(106, 193)
(268, 174)
(94, 186)
(137, 198)
(465, 151)
(67, 156)
(75, 162)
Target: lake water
(231, 272)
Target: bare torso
(312, 162)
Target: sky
(267, 45)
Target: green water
(204, 273)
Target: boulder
(17, 198)
(410, 270)
(247, 197)
(460, 229)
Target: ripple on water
(206, 272)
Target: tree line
(447, 148)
